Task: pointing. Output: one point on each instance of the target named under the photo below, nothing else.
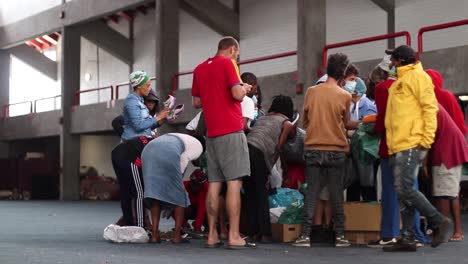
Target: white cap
(385, 63)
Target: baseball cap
(403, 52)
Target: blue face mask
(255, 100)
(350, 86)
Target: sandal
(457, 238)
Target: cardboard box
(362, 216)
(285, 232)
(361, 237)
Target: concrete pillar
(69, 143)
(5, 62)
(167, 44)
(311, 38)
(391, 27)
(167, 48)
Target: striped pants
(131, 187)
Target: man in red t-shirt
(218, 89)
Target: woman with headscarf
(137, 118)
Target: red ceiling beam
(36, 44)
(45, 43)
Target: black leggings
(131, 187)
(256, 195)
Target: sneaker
(302, 241)
(419, 243)
(170, 102)
(340, 241)
(402, 245)
(440, 233)
(174, 113)
(381, 243)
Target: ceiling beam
(214, 14)
(76, 12)
(35, 59)
(386, 5)
(108, 39)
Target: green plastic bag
(365, 144)
(292, 214)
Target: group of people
(420, 125)
(236, 145)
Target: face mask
(393, 72)
(350, 86)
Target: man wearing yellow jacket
(411, 123)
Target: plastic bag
(275, 214)
(125, 234)
(294, 148)
(292, 214)
(365, 144)
(276, 178)
(284, 197)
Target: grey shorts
(228, 157)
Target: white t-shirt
(192, 125)
(248, 109)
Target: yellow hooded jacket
(411, 115)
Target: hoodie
(448, 100)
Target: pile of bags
(286, 206)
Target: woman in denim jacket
(137, 118)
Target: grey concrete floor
(71, 232)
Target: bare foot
(457, 237)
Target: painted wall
(268, 27)
(100, 69)
(96, 152)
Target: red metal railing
(6, 108)
(437, 27)
(78, 93)
(46, 98)
(175, 78)
(117, 87)
(360, 41)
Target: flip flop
(247, 245)
(215, 245)
(457, 238)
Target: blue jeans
(390, 225)
(405, 166)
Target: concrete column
(167, 48)
(5, 62)
(391, 26)
(311, 38)
(69, 143)
(167, 44)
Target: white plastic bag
(275, 214)
(125, 234)
(276, 176)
